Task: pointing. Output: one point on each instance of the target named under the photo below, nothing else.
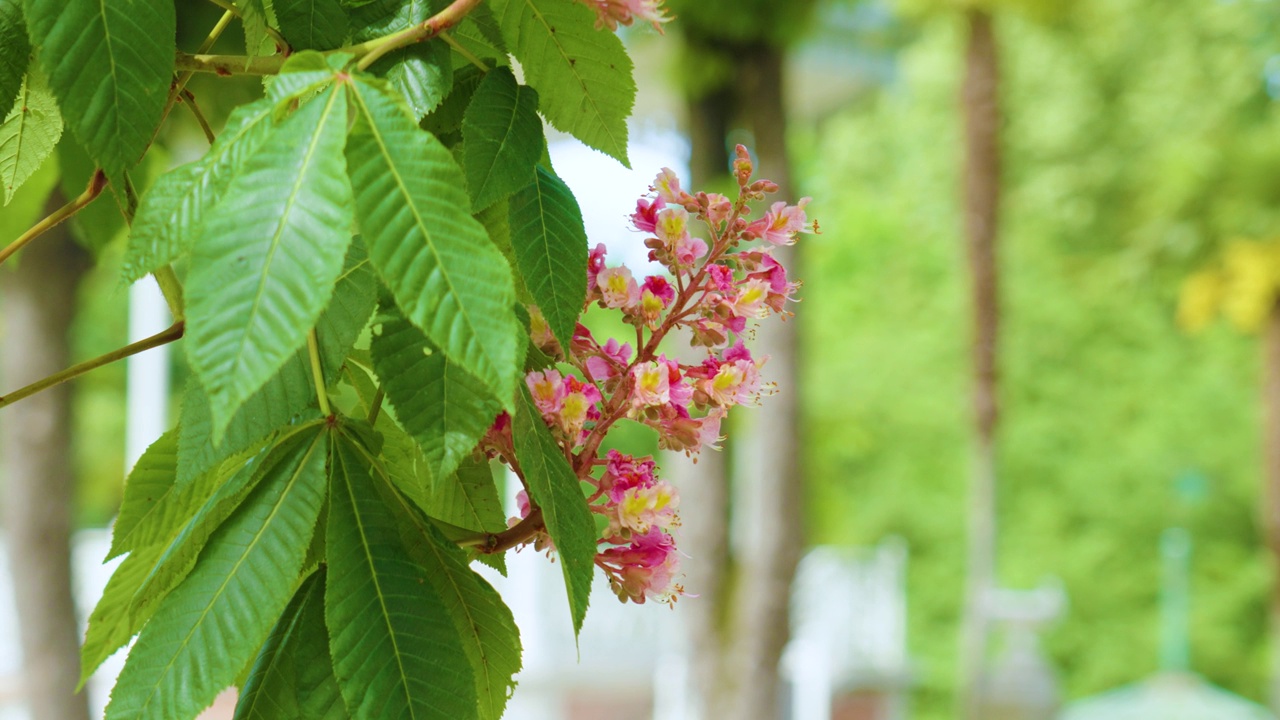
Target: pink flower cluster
(609, 13)
(712, 287)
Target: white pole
(147, 404)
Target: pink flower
(678, 392)
(614, 357)
(623, 473)
(651, 385)
(644, 569)
(672, 224)
(735, 383)
(578, 406)
(750, 298)
(609, 13)
(645, 217)
(780, 225)
(548, 391)
(661, 289)
(719, 208)
(539, 330)
(721, 277)
(618, 289)
(688, 250)
(667, 185)
(643, 507)
(595, 263)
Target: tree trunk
(771, 474)
(980, 101)
(35, 449)
(1271, 482)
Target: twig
(189, 100)
(173, 333)
(96, 183)
(471, 58)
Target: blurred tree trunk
(980, 102)
(35, 459)
(738, 630)
(1271, 483)
(772, 470)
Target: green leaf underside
(17, 52)
(444, 407)
(468, 498)
(441, 267)
(396, 652)
(150, 572)
(551, 250)
(144, 518)
(109, 63)
(484, 623)
(212, 624)
(268, 255)
(503, 137)
(173, 209)
(582, 75)
(292, 678)
(30, 131)
(554, 487)
(290, 392)
(311, 24)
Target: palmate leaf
(288, 395)
(109, 63)
(582, 75)
(395, 649)
(441, 267)
(207, 629)
(312, 24)
(551, 250)
(151, 571)
(173, 208)
(292, 678)
(484, 623)
(256, 16)
(554, 487)
(28, 134)
(17, 52)
(468, 498)
(502, 136)
(268, 255)
(444, 407)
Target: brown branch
(174, 332)
(96, 183)
(521, 533)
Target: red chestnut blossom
(714, 288)
(611, 13)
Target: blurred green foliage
(1139, 136)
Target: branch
(173, 333)
(368, 52)
(189, 100)
(521, 533)
(96, 183)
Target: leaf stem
(317, 372)
(227, 65)
(171, 288)
(375, 406)
(189, 100)
(97, 182)
(233, 10)
(470, 57)
(174, 332)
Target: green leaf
(503, 137)
(441, 267)
(109, 63)
(551, 250)
(447, 118)
(468, 498)
(312, 24)
(422, 72)
(28, 134)
(484, 623)
(305, 74)
(292, 679)
(267, 258)
(149, 573)
(554, 487)
(444, 407)
(171, 212)
(480, 35)
(256, 16)
(140, 523)
(290, 392)
(396, 651)
(16, 55)
(583, 75)
(207, 629)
